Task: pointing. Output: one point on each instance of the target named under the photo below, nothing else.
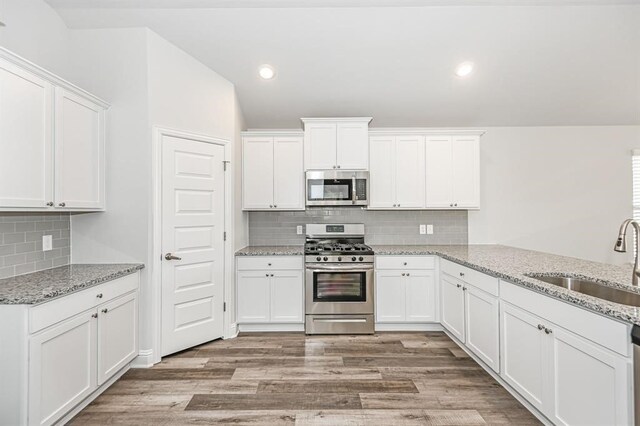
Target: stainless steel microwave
(337, 188)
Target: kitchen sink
(592, 288)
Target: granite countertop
(271, 251)
(514, 264)
(43, 286)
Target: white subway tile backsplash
(21, 242)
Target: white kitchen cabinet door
(420, 296)
(382, 172)
(353, 146)
(117, 335)
(320, 146)
(591, 385)
(482, 326)
(452, 306)
(409, 172)
(390, 296)
(439, 162)
(26, 132)
(79, 151)
(466, 173)
(62, 368)
(287, 297)
(288, 173)
(524, 360)
(253, 296)
(257, 173)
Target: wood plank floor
(290, 379)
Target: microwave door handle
(353, 188)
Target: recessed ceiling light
(464, 69)
(267, 72)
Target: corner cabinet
(452, 172)
(53, 135)
(83, 340)
(272, 171)
(336, 143)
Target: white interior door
(192, 231)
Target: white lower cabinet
(482, 324)
(63, 350)
(570, 379)
(270, 296)
(452, 306)
(62, 368)
(405, 295)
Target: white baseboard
(231, 332)
(501, 381)
(280, 327)
(71, 414)
(144, 359)
(413, 326)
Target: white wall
(36, 32)
(563, 190)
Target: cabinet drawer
(257, 263)
(49, 313)
(471, 276)
(405, 262)
(609, 333)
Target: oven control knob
(353, 259)
(361, 258)
(339, 259)
(325, 258)
(318, 258)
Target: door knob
(170, 256)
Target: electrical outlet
(47, 242)
(429, 229)
(299, 229)
(423, 229)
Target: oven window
(339, 287)
(329, 189)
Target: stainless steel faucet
(621, 245)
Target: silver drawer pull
(340, 320)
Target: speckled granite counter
(271, 251)
(43, 286)
(512, 264)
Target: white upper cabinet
(26, 113)
(52, 133)
(336, 143)
(272, 170)
(79, 152)
(396, 172)
(453, 172)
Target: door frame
(230, 329)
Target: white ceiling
(573, 64)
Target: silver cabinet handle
(338, 166)
(275, 206)
(403, 274)
(458, 285)
(462, 274)
(94, 315)
(268, 264)
(548, 330)
(407, 274)
(456, 204)
(105, 310)
(334, 167)
(405, 263)
(398, 205)
(170, 256)
(62, 204)
(99, 295)
(540, 327)
(271, 274)
(50, 204)
(464, 289)
(266, 275)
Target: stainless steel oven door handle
(346, 268)
(341, 320)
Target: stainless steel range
(338, 280)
